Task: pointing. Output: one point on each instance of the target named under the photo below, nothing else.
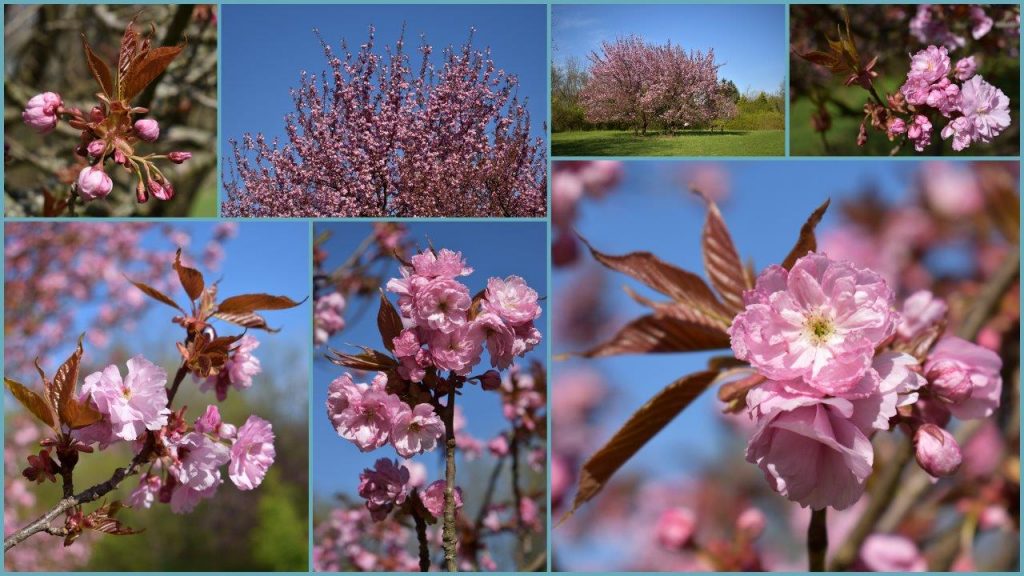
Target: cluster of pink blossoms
(389, 484)
(238, 371)
(978, 111)
(820, 335)
(188, 469)
(328, 317)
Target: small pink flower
(459, 350)
(179, 157)
(383, 486)
(184, 499)
(252, 453)
(147, 129)
(512, 300)
(819, 322)
(445, 264)
(198, 460)
(529, 512)
(986, 107)
(891, 553)
(41, 112)
(965, 376)
(133, 405)
(416, 431)
(965, 68)
(363, 414)
(209, 422)
(96, 148)
(962, 130)
(442, 304)
(328, 317)
(413, 358)
(951, 190)
(751, 523)
(920, 132)
(163, 191)
(498, 445)
(897, 126)
(433, 498)
(921, 311)
(981, 23)
(490, 380)
(145, 493)
(500, 338)
(936, 450)
(930, 64)
(676, 527)
(242, 365)
(93, 183)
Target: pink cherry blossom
(41, 112)
(362, 413)
(328, 317)
(147, 129)
(675, 527)
(94, 183)
(891, 553)
(252, 453)
(413, 359)
(197, 461)
(920, 132)
(416, 431)
(383, 486)
(498, 446)
(444, 264)
(210, 421)
(921, 311)
(459, 350)
(433, 498)
(132, 405)
(936, 450)
(986, 107)
(931, 64)
(965, 376)
(145, 493)
(184, 499)
(965, 68)
(500, 339)
(819, 322)
(512, 300)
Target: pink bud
(96, 148)
(162, 191)
(41, 112)
(750, 523)
(140, 193)
(96, 114)
(936, 450)
(179, 157)
(120, 158)
(93, 183)
(491, 380)
(227, 431)
(147, 129)
(965, 68)
(897, 126)
(676, 527)
(210, 421)
(564, 250)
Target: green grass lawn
(696, 143)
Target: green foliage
(274, 543)
(762, 112)
(685, 143)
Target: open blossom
(986, 107)
(442, 304)
(94, 183)
(328, 317)
(443, 264)
(383, 486)
(500, 339)
(132, 405)
(146, 492)
(920, 132)
(197, 461)
(413, 359)
(891, 553)
(362, 413)
(433, 498)
(931, 64)
(936, 450)
(184, 499)
(819, 322)
(512, 300)
(416, 431)
(675, 527)
(252, 453)
(459, 350)
(41, 112)
(965, 68)
(965, 376)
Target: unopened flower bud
(96, 114)
(676, 527)
(937, 451)
(93, 183)
(96, 148)
(179, 157)
(897, 126)
(120, 158)
(147, 129)
(491, 380)
(965, 68)
(140, 192)
(162, 191)
(41, 112)
(210, 421)
(227, 431)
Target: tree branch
(449, 534)
(421, 534)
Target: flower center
(126, 392)
(819, 329)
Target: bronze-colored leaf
(33, 402)
(246, 319)
(734, 394)
(156, 295)
(721, 261)
(190, 278)
(103, 520)
(368, 360)
(130, 50)
(61, 392)
(144, 70)
(653, 334)
(79, 415)
(806, 242)
(676, 283)
(643, 425)
(389, 323)
(253, 302)
(99, 69)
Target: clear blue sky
(768, 203)
(749, 39)
(491, 249)
(264, 49)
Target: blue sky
(264, 49)
(491, 249)
(749, 39)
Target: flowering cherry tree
(179, 461)
(829, 360)
(385, 137)
(638, 83)
(434, 341)
(115, 131)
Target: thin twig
(421, 535)
(817, 540)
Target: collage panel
(668, 80)
(111, 110)
(429, 427)
(905, 80)
(768, 358)
(389, 111)
(157, 411)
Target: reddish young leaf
(61, 391)
(734, 393)
(156, 295)
(190, 278)
(368, 360)
(721, 261)
(33, 402)
(247, 320)
(252, 302)
(389, 323)
(653, 334)
(103, 520)
(806, 242)
(145, 69)
(641, 427)
(79, 415)
(682, 286)
(99, 69)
